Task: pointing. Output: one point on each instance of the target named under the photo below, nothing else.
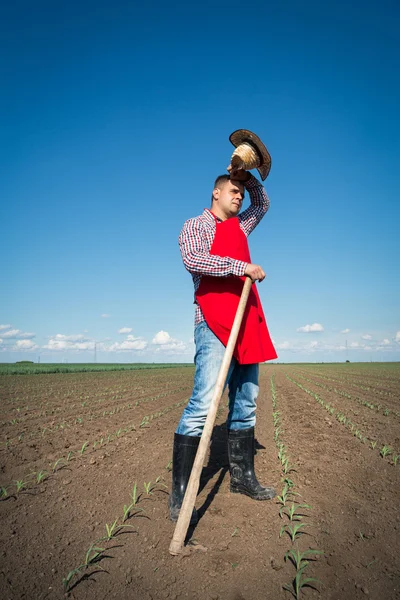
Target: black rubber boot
(185, 448)
(241, 466)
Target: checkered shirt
(197, 235)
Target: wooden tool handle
(194, 481)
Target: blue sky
(115, 119)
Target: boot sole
(245, 492)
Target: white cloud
(69, 342)
(167, 344)
(366, 337)
(161, 338)
(130, 343)
(283, 346)
(345, 331)
(385, 342)
(310, 328)
(17, 334)
(25, 345)
(397, 337)
(2, 327)
(125, 330)
(79, 337)
(105, 316)
(1, 341)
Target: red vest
(219, 297)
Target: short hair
(220, 182)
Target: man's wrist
(239, 267)
(251, 183)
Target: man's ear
(215, 193)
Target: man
(214, 250)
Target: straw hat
(250, 152)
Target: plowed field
(74, 445)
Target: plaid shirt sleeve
(259, 204)
(196, 256)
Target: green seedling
(235, 532)
(373, 445)
(57, 463)
(82, 450)
(145, 421)
(395, 459)
(293, 531)
(21, 485)
(113, 530)
(168, 467)
(291, 511)
(287, 468)
(299, 558)
(148, 488)
(289, 482)
(41, 476)
(134, 500)
(385, 451)
(67, 580)
(300, 562)
(93, 554)
(69, 456)
(3, 492)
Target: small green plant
(299, 561)
(67, 580)
(84, 446)
(21, 485)
(373, 445)
(41, 476)
(385, 451)
(113, 530)
(134, 500)
(235, 532)
(291, 511)
(3, 492)
(395, 459)
(287, 468)
(58, 462)
(293, 531)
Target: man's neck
(218, 213)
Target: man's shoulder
(205, 219)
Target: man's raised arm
(259, 205)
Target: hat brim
(244, 135)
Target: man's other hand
(255, 272)
(239, 174)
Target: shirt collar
(210, 217)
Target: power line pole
(95, 352)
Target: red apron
(219, 297)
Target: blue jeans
(242, 381)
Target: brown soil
(235, 552)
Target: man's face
(229, 198)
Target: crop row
(77, 420)
(96, 553)
(14, 488)
(385, 451)
(360, 386)
(379, 408)
(292, 510)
